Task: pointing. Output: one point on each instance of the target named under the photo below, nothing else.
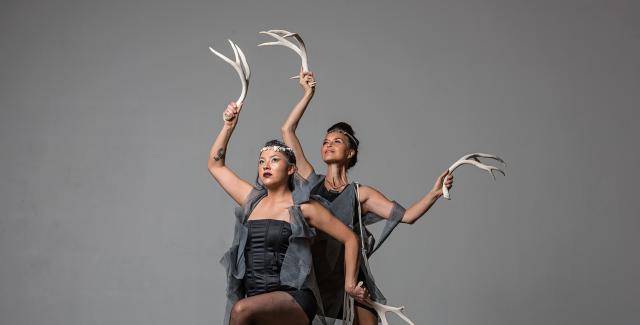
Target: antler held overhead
(240, 65)
(281, 39)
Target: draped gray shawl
(328, 253)
(297, 268)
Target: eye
(261, 162)
(275, 159)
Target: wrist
(349, 283)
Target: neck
(336, 175)
(279, 192)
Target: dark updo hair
(291, 159)
(352, 141)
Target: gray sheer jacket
(297, 268)
(328, 253)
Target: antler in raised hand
(241, 67)
(281, 39)
(472, 159)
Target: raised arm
(291, 124)
(374, 201)
(235, 186)
(319, 217)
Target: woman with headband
(269, 266)
(340, 152)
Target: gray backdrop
(108, 108)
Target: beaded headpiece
(351, 137)
(277, 148)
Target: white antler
(382, 311)
(472, 159)
(281, 36)
(241, 67)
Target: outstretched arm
(291, 124)
(374, 201)
(235, 186)
(321, 218)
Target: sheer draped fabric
(297, 267)
(328, 253)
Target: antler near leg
(382, 311)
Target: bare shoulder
(310, 207)
(367, 191)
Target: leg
(365, 316)
(276, 307)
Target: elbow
(213, 167)
(352, 241)
(408, 221)
(287, 129)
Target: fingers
(448, 181)
(232, 106)
(360, 293)
(306, 74)
(307, 79)
(231, 111)
(311, 80)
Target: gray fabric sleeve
(302, 187)
(397, 212)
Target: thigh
(365, 316)
(276, 307)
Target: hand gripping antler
(381, 310)
(281, 37)
(241, 67)
(472, 159)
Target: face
(335, 148)
(273, 168)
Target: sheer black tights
(276, 307)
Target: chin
(270, 182)
(331, 160)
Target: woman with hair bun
(339, 152)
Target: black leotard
(267, 243)
(330, 196)
(321, 190)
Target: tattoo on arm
(219, 155)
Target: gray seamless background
(108, 109)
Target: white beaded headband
(277, 148)
(353, 139)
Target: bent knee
(241, 310)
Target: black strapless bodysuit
(267, 243)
